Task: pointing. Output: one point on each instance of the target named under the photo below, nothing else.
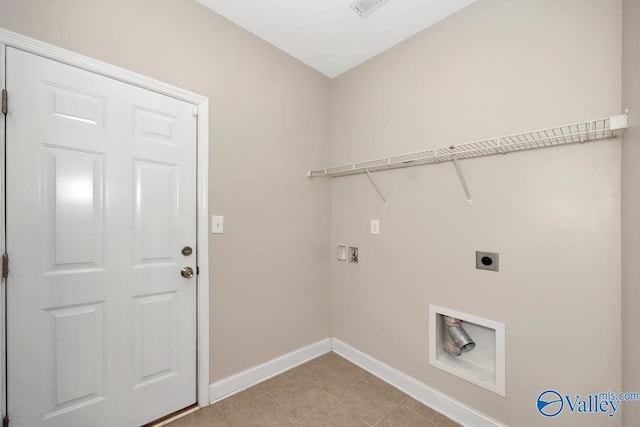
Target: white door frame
(9, 38)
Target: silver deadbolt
(186, 251)
(187, 272)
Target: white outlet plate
(375, 226)
(217, 224)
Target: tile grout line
(354, 413)
(421, 416)
(289, 382)
(318, 407)
(390, 412)
(332, 396)
(283, 408)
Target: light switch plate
(217, 224)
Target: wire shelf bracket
(581, 132)
(462, 181)
(375, 185)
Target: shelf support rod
(373, 182)
(462, 181)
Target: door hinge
(5, 421)
(5, 102)
(5, 266)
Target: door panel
(69, 104)
(155, 126)
(74, 209)
(156, 353)
(77, 341)
(156, 211)
(101, 197)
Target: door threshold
(173, 416)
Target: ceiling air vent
(365, 8)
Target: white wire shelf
(568, 134)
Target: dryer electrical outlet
(487, 261)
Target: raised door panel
(75, 357)
(73, 105)
(155, 126)
(155, 338)
(74, 210)
(156, 213)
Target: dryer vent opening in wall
(365, 8)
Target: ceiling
(327, 34)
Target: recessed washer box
(483, 366)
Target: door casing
(9, 38)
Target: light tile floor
(327, 391)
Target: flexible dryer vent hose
(456, 339)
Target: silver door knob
(187, 272)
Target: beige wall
(269, 123)
(497, 67)
(631, 209)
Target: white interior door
(101, 200)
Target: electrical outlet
(487, 261)
(375, 226)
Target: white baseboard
(423, 393)
(242, 380)
(416, 389)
